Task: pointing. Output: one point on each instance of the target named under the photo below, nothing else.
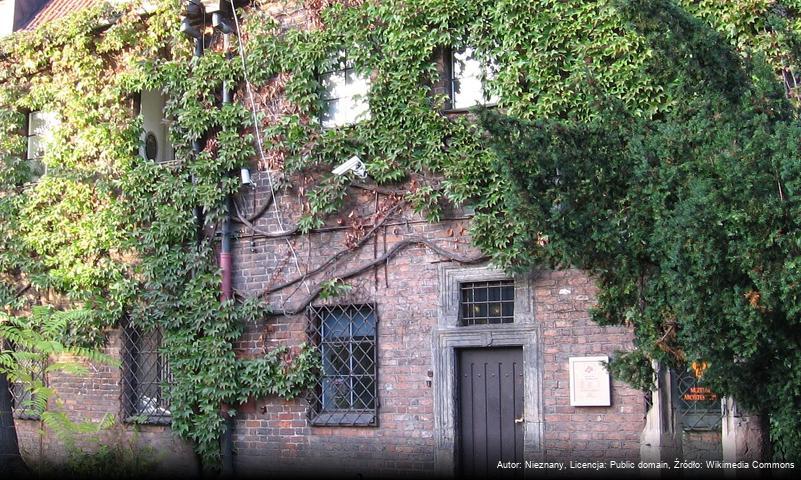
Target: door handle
(520, 420)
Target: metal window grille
(346, 394)
(482, 303)
(22, 396)
(698, 406)
(146, 377)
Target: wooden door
(490, 410)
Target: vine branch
(337, 255)
(397, 248)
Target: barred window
(482, 303)
(155, 141)
(32, 371)
(146, 377)
(346, 395)
(698, 405)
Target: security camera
(354, 164)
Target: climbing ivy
(115, 235)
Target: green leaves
(683, 218)
(38, 343)
(662, 162)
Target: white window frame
(342, 85)
(154, 122)
(39, 134)
(466, 70)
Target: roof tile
(55, 9)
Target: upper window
(344, 94)
(40, 135)
(146, 377)
(482, 303)
(468, 80)
(347, 391)
(156, 136)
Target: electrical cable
(259, 147)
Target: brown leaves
(753, 297)
(358, 224)
(315, 8)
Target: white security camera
(354, 164)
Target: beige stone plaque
(589, 382)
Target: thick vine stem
(380, 190)
(248, 220)
(396, 249)
(337, 255)
(255, 215)
(249, 223)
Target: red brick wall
(273, 435)
(92, 397)
(561, 303)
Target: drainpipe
(197, 147)
(226, 260)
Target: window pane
(363, 355)
(345, 94)
(465, 64)
(337, 112)
(484, 303)
(336, 393)
(40, 125)
(363, 396)
(336, 324)
(147, 377)
(334, 85)
(335, 360)
(346, 337)
(364, 322)
(468, 80)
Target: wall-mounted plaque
(589, 382)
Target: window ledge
(345, 419)
(148, 420)
(466, 110)
(24, 415)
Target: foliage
(114, 460)
(115, 235)
(334, 288)
(35, 340)
(115, 452)
(634, 367)
(688, 220)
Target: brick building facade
(416, 427)
(413, 416)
